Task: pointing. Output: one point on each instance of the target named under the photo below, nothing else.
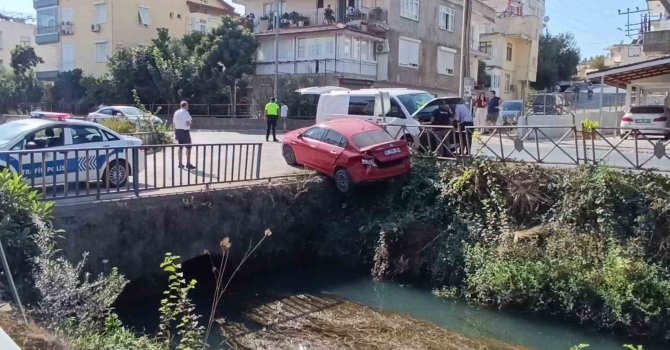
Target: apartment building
(483, 21)
(361, 43)
(513, 44)
(86, 33)
(16, 29)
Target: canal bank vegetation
(590, 244)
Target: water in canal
(531, 331)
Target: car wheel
(343, 181)
(289, 155)
(116, 174)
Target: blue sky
(593, 22)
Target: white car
(649, 120)
(132, 114)
(53, 151)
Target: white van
(367, 104)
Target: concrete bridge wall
(134, 234)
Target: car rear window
(370, 138)
(540, 100)
(647, 109)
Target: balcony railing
(329, 66)
(658, 41)
(377, 17)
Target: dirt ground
(28, 336)
(310, 323)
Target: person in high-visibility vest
(271, 117)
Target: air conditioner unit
(382, 47)
(95, 27)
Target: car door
(105, 113)
(330, 150)
(90, 164)
(45, 163)
(308, 150)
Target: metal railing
(69, 173)
(564, 145)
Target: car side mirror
(300, 136)
(31, 145)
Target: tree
(558, 59)
(597, 62)
(24, 59)
(68, 89)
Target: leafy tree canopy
(558, 59)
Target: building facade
(513, 43)
(361, 43)
(15, 30)
(86, 34)
(483, 21)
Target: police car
(42, 149)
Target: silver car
(132, 114)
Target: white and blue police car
(52, 148)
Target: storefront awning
(633, 73)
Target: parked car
(350, 150)
(366, 105)
(649, 120)
(511, 111)
(132, 114)
(58, 139)
(548, 104)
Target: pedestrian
(328, 15)
(463, 118)
(493, 109)
(182, 121)
(283, 114)
(271, 116)
(480, 109)
(439, 136)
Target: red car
(350, 151)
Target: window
(285, 49)
(365, 50)
(101, 52)
(634, 51)
(24, 40)
(485, 46)
(100, 13)
(68, 60)
(314, 133)
(447, 18)
(413, 102)
(409, 9)
(335, 139)
(145, 16)
(347, 47)
(356, 49)
(509, 52)
(1, 44)
(47, 20)
(408, 52)
(362, 105)
(85, 134)
(370, 138)
(47, 138)
(110, 136)
(508, 82)
(314, 48)
(445, 60)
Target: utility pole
(465, 47)
(634, 30)
(275, 27)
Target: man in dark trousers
(463, 117)
(443, 115)
(271, 117)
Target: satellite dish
(546, 19)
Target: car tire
(116, 175)
(343, 181)
(289, 155)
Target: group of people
(457, 116)
(487, 108)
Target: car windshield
(540, 100)
(512, 106)
(10, 130)
(370, 138)
(647, 109)
(130, 111)
(413, 102)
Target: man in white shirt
(283, 114)
(182, 129)
(463, 117)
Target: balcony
(657, 42)
(363, 18)
(37, 4)
(355, 69)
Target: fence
(563, 145)
(68, 173)
(197, 110)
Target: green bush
(122, 126)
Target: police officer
(271, 117)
